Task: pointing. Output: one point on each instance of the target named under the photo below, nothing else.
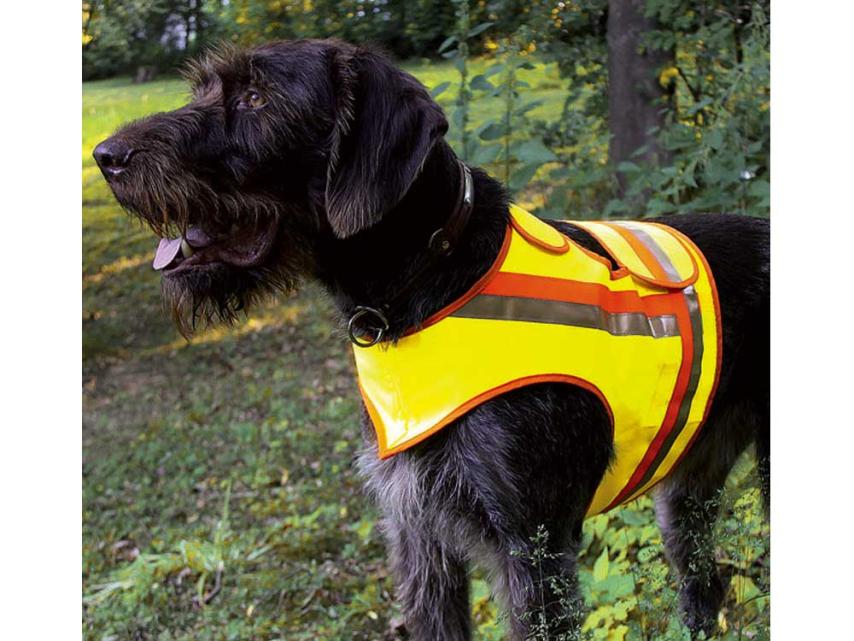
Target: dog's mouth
(242, 247)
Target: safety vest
(644, 337)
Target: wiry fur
(347, 160)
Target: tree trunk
(144, 73)
(636, 100)
(199, 20)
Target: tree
(637, 101)
(122, 35)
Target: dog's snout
(113, 155)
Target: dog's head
(280, 148)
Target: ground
(220, 500)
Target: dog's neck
(369, 268)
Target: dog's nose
(113, 155)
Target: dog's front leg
(540, 592)
(431, 583)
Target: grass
(219, 497)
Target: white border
(812, 323)
(40, 458)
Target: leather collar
(368, 325)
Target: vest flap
(652, 252)
(537, 232)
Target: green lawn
(226, 463)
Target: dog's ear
(386, 125)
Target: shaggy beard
(217, 293)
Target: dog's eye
(252, 100)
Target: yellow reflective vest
(645, 338)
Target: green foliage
(716, 138)
(549, 590)
(202, 559)
(120, 35)
(630, 588)
(495, 141)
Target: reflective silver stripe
(653, 247)
(693, 378)
(693, 305)
(535, 310)
(696, 365)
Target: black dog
(319, 159)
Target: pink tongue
(170, 248)
(167, 250)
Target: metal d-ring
(378, 331)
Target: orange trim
(682, 284)
(474, 290)
(477, 400)
(691, 247)
(642, 251)
(539, 242)
(623, 270)
(718, 322)
(558, 289)
(688, 244)
(687, 241)
(374, 416)
(669, 421)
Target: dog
(317, 159)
